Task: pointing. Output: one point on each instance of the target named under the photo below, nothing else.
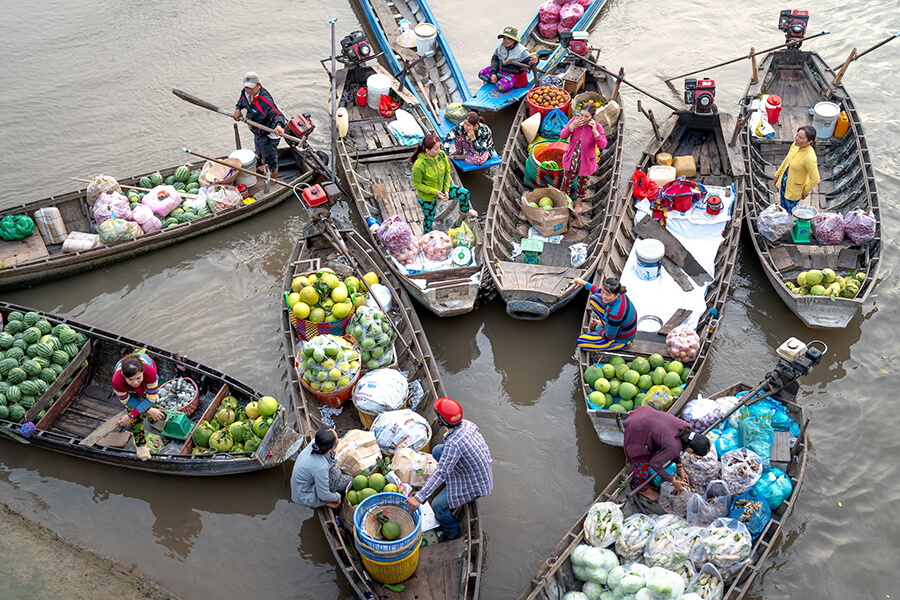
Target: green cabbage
(575, 596)
(592, 590)
(580, 572)
(577, 555)
(615, 576)
(597, 575)
(600, 558)
(630, 584)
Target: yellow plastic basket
(394, 571)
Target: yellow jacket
(803, 172)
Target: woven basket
(307, 330)
(219, 173)
(540, 152)
(189, 408)
(392, 505)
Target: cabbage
(597, 575)
(600, 558)
(575, 596)
(639, 569)
(615, 576)
(630, 584)
(607, 596)
(577, 555)
(666, 586)
(580, 572)
(643, 594)
(691, 596)
(592, 590)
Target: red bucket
(533, 108)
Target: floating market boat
(691, 296)
(533, 291)
(377, 169)
(803, 80)
(32, 261)
(77, 413)
(450, 569)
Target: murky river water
(86, 90)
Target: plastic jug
(343, 122)
(773, 108)
(843, 125)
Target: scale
(802, 216)
(531, 251)
(177, 426)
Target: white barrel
(661, 174)
(426, 38)
(377, 85)
(649, 258)
(825, 117)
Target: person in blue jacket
(316, 480)
(260, 107)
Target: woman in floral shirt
(471, 140)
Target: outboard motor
(793, 23)
(701, 95)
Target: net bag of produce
(603, 524)
(701, 413)
(751, 509)
(113, 231)
(162, 200)
(585, 4)
(401, 429)
(828, 228)
(626, 581)
(673, 501)
(727, 546)
(143, 216)
(436, 245)
(662, 584)
(461, 236)
(569, 14)
(101, 185)
(707, 584)
(774, 222)
(667, 548)
(683, 343)
(704, 508)
(548, 31)
(407, 255)
(327, 363)
(549, 12)
(741, 469)
(701, 469)
(16, 227)
(374, 336)
(659, 397)
(455, 113)
(636, 532)
(111, 205)
(395, 234)
(221, 197)
(775, 486)
(381, 390)
(592, 564)
(860, 226)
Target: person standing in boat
(799, 171)
(464, 466)
(471, 140)
(613, 317)
(507, 70)
(652, 439)
(586, 138)
(135, 383)
(431, 178)
(260, 107)
(316, 480)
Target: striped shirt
(465, 466)
(621, 317)
(143, 396)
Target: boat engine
(701, 94)
(575, 41)
(795, 359)
(793, 23)
(355, 48)
(301, 125)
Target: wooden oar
(854, 56)
(13, 436)
(621, 79)
(241, 169)
(133, 187)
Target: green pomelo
(377, 482)
(617, 408)
(656, 360)
(360, 482)
(627, 391)
(632, 377)
(659, 373)
(817, 290)
(366, 493)
(602, 385)
(676, 392)
(672, 380)
(643, 365)
(645, 382)
(616, 361)
(814, 277)
(614, 387)
(626, 404)
(620, 371)
(609, 371)
(639, 399)
(598, 399)
(675, 367)
(592, 374)
(686, 374)
(609, 400)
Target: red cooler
(773, 108)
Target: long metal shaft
(333, 104)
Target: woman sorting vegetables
(585, 137)
(654, 438)
(471, 140)
(136, 384)
(316, 479)
(613, 317)
(799, 171)
(431, 178)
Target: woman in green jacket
(431, 178)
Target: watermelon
(4, 387)
(32, 368)
(20, 343)
(13, 394)
(170, 180)
(179, 186)
(70, 349)
(14, 327)
(16, 375)
(145, 183)
(4, 411)
(44, 349)
(44, 326)
(182, 174)
(31, 335)
(6, 341)
(15, 316)
(67, 336)
(31, 351)
(48, 375)
(204, 212)
(81, 339)
(57, 369)
(59, 357)
(134, 195)
(29, 388)
(169, 222)
(134, 205)
(42, 385)
(16, 413)
(185, 217)
(15, 353)
(3, 400)
(176, 213)
(156, 179)
(41, 361)
(195, 176)
(52, 340)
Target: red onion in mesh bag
(562, 2)
(549, 12)
(563, 29)
(570, 13)
(683, 343)
(395, 234)
(859, 226)
(548, 31)
(585, 4)
(828, 228)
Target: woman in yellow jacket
(431, 178)
(799, 171)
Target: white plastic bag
(101, 185)
(221, 197)
(703, 509)
(196, 201)
(406, 129)
(383, 293)
(672, 501)
(603, 524)
(381, 390)
(708, 584)
(701, 469)
(666, 549)
(727, 546)
(397, 429)
(774, 222)
(741, 469)
(636, 532)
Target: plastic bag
(375, 337)
(723, 439)
(667, 549)
(381, 390)
(701, 469)
(704, 508)
(701, 413)
(643, 186)
(548, 31)
(549, 12)
(111, 205)
(413, 467)
(462, 236)
(405, 128)
(741, 469)
(221, 197)
(636, 532)
(436, 245)
(196, 201)
(751, 509)
(379, 292)
(707, 584)
(16, 227)
(408, 255)
(683, 343)
(322, 354)
(727, 546)
(50, 225)
(136, 229)
(570, 13)
(774, 222)
(395, 234)
(101, 185)
(659, 397)
(672, 501)
(162, 200)
(755, 432)
(860, 226)
(657, 481)
(662, 584)
(455, 113)
(828, 228)
(603, 524)
(397, 429)
(550, 80)
(77, 241)
(388, 106)
(593, 564)
(114, 230)
(775, 486)
(552, 124)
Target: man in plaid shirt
(464, 465)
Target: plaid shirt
(465, 466)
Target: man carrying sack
(260, 107)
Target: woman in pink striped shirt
(136, 384)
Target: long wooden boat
(684, 133)
(802, 79)
(449, 569)
(555, 577)
(31, 261)
(532, 292)
(376, 167)
(81, 422)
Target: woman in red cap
(464, 465)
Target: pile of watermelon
(185, 181)
(33, 353)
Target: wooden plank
(115, 440)
(677, 274)
(674, 321)
(647, 228)
(100, 432)
(848, 260)
(31, 248)
(801, 261)
(59, 382)
(63, 402)
(781, 258)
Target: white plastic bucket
(649, 258)
(248, 161)
(825, 117)
(377, 85)
(426, 37)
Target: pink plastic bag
(111, 205)
(570, 13)
(828, 228)
(859, 226)
(562, 2)
(143, 216)
(435, 245)
(395, 234)
(409, 254)
(162, 199)
(549, 12)
(585, 4)
(99, 186)
(548, 31)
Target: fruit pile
(184, 181)
(545, 203)
(622, 386)
(374, 336)
(581, 104)
(549, 96)
(235, 428)
(363, 487)
(322, 297)
(33, 353)
(826, 283)
(327, 363)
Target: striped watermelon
(16, 413)
(7, 365)
(145, 183)
(6, 341)
(31, 318)
(15, 316)
(14, 327)
(31, 368)
(59, 357)
(16, 376)
(31, 351)
(4, 387)
(81, 339)
(44, 326)
(182, 173)
(71, 350)
(31, 335)
(42, 385)
(29, 388)
(48, 375)
(20, 343)
(43, 362)
(66, 335)
(13, 394)
(55, 369)
(27, 401)
(44, 349)
(3, 400)
(4, 411)
(15, 353)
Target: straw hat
(530, 126)
(407, 39)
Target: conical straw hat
(530, 126)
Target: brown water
(86, 90)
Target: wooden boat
(700, 135)
(435, 81)
(377, 169)
(31, 261)
(532, 292)
(449, 569)
(802, 79)
(82, 421)
(555, 577)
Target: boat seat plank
(31, 248)
(115, 440)
(437, 576)
(674, 321)
(848, 260)
(554, 255)
(781, 448)
(677, 274)
(647, 227)
(782, 259)
(80, 424)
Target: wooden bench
(31, 248)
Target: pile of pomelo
(363, 487)
(545, 203)
(322, 297)
(826, 283)
(621, 386)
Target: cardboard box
(413, 467)
(547, 222)
(357, 451)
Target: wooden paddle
(241, 169)
(134, 187)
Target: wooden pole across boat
(241, 169)
(620, 79)
(133, 187)
(854, 57)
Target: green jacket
(431, 175)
